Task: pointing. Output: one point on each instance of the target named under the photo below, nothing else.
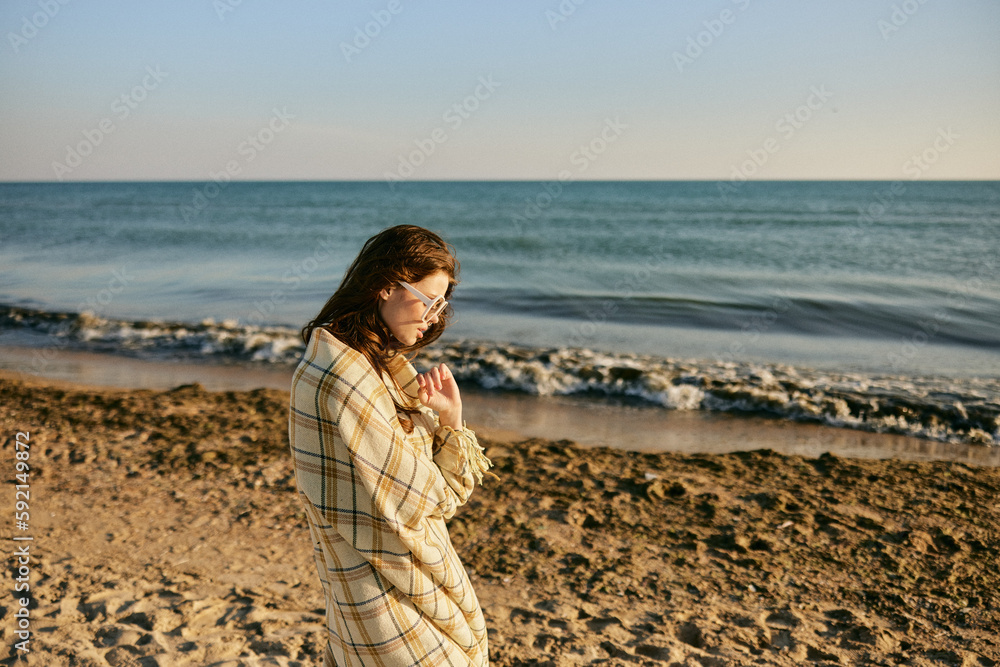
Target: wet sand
(507, 415)
(166, 531)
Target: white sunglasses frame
(427, 301)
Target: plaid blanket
(376, 499)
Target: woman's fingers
(424, 387)
(433, 382)
(429, 382)
(444, 372)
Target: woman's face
(401, 310)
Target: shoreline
(167, 530)
(512, 415)
(945, 408)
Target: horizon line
(505, 180)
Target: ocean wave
(225, 341)
(965, 410)
(875, 316)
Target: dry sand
(166, 531)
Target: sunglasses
(434, 306)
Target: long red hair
(402, 253)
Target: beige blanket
(376, 499)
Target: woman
(378, 471)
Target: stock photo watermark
(90, 305)
(625, 289)
(453, 118)
(121, 108)
(223, 7)
(919, 163)
(900, 16)
(928, 329)
(22, 554)
(787, 126)
(364, 35)
(581, 158)
(247, 151)
(752, 328)
(299, 272)
(48, 9)
(701, 41)
(915, 167)
(563, 11)
(120, 279)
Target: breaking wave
(965, 410)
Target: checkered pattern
(376, 499)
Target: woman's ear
(384, 294)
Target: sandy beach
(166, 531)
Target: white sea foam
(946, 409)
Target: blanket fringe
(476, 456)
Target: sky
(516, 90)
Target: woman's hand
(439, 391)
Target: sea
(866, 305)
